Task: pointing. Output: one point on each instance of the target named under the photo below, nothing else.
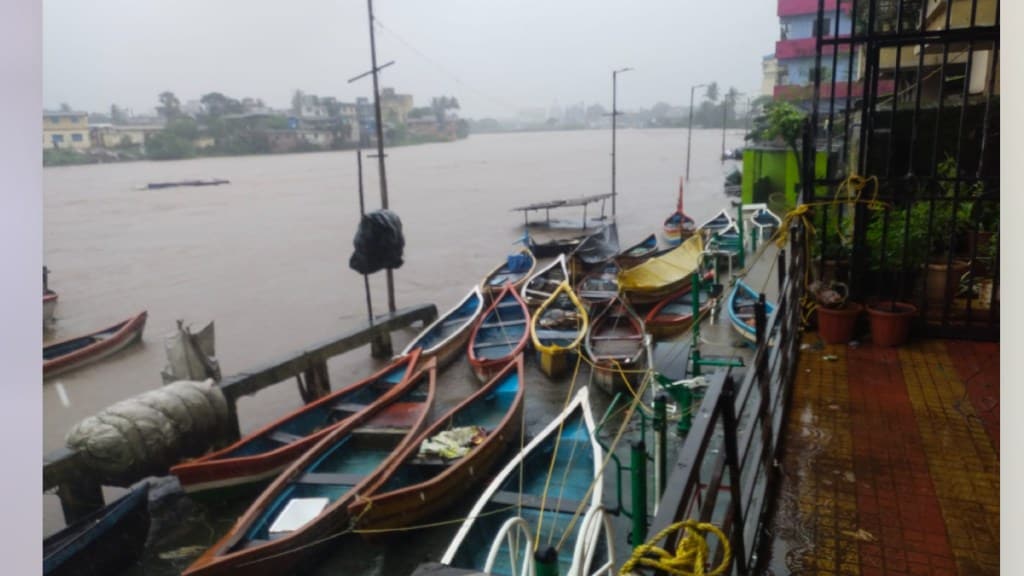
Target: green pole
(546, 562)
(739, 226)
(638, 473)
(753, 239)
(660, 447)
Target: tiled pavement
(891, 462)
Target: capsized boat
(557, 329)
(656, 278)
(673, 315)
(741, 309)
(67, 355)
(450, 458)
(500, 336)
(106, 541)
(615, 343)
(446, 337)
(551, 493)
(543, 284)
(293, 519)
(262, 454)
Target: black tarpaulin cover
(378, 243)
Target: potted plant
(837, 316)
(890, 322)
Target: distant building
(66, 130)
(770, 75)
(395, 107)
(796, 48)
(121, 136)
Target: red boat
(674, 314)
(501, 335)
(76, 352)
(262, 454)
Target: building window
(57, 139)
(824, 25)
(76, 137)
(824, 73)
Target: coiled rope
(691, 553)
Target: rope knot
(691, 554)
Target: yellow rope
(691, 553)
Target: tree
(217, 105)
(711, 93)
(170, 107)
(731, 97)
(780, 121)
(594, 113)
(661, 110)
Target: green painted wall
(780, 169)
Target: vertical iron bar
(726, 404)
(638, 481)
(782, 270)
(660, 445)
(760, 322)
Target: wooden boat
(515, 270)
(557, 329)
(446, 337)
(551, 492)
(500, 336)
(717, 223)
(543, 284)
(674, 314)
(599, 286)
(104, 542)
(262, 454)
(638, 252)
(599, 247)
(662, 275)
(741, 309)
(73, 353)
(765, 221)
(615, 343)
(726, 240)
(49, 305)
(292, 519)
(421, 482)
(160, 185)
(678, 226)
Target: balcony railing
(841, 89)
(804, 48)
(799, 7)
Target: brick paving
(891, 462)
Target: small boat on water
(678, 226)
(543, 284)
(615, 343)
(515, 270)
(638, 252)
(656, 278)
(726, 240)
(599, 285)
(450, 458)
(557, 329)
(765, 221)
(67, 355)
(741, 309)
(554, 247)
(500, 336)
(292, 521)
(262, 454)
(107, 541)
(551, 493)
(446, 337)
(718, 222)
(674, 314)
(159, 185)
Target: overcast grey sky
(495, 56)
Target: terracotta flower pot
(837, 325)
(890, 322)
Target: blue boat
(741, 309)
(105, 542)
(500, 336)
(446, 337)
(307, 505)
(549, 493)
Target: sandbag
(378, 243)
(145, 435)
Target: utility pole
(615, 113)
(689, 130)
(380, 139)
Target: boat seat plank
(552, 503)
(331, 478)
(618, 337)
(284, 437)
(503, 323)
(482, 345)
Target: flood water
(266, 256)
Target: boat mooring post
(660, 426)
(380, 346)
(638, 485)
(546, 562)
(739, 227)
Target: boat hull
(105, 542)
(497, 331)
(106, 343)
(446, 337)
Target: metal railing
(725, 469)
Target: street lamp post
(615, 113)
(689, 130)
